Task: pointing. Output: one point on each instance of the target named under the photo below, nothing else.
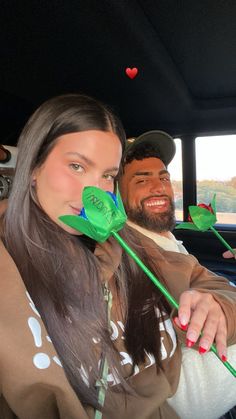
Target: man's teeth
(156, 203)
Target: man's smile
(156, 204)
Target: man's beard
(157, 222)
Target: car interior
(163, 64)
(159, 64)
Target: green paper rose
(202, 217)
(102, 213)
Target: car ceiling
(185, 53)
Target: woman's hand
(200, 312)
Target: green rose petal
(202, 218)
(103, 216)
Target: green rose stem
(164, 291)
(202, 218)
(158, 284)
(104, 215)
(223, 240)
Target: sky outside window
(215, 172)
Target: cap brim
(160, 140)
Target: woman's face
(88, 158)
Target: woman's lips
(75, 210)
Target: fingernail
(224, 358)
(184, 326)
(178, 324)
(189, 343)
(183, 319)
(201, 350)
(192, 336)
(204, 346)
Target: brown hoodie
(32, 382)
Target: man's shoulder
(152, 248)
(141, 237)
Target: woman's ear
(34, 177)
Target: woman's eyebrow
(88, 161)
(80, 156)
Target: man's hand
(228, 254)
(199, 312)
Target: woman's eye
(109, 177)
(76, 167)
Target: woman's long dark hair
(60, 272)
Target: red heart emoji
(131, 72)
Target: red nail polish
(184, 326)
(224, 358)
(189, 343)
(201, 350)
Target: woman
(58, 326)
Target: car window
(216, 174)
(175, 169)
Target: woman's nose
(94, 181)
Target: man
(146, 188)
(148, 198)
(145, 169)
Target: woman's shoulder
(14, 297)
(29, 362)
(8, 269)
